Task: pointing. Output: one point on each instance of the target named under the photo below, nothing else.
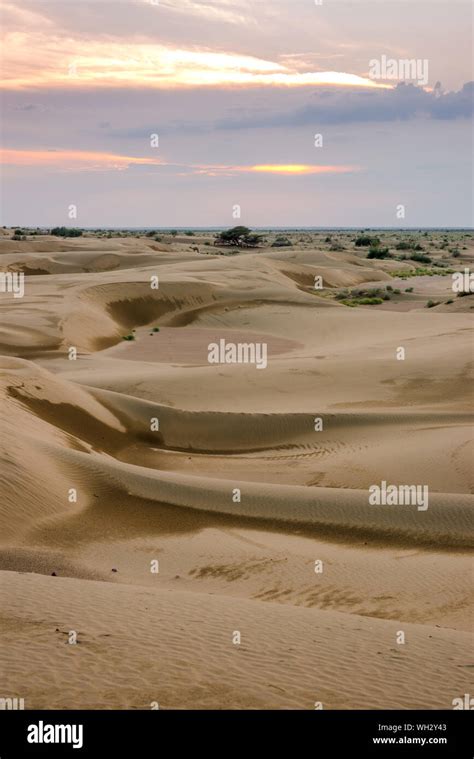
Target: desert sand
(293, 594)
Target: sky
(179, 113)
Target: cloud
(403, 102)
(86, 160)
(70, 159)
(54, 61)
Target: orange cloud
(64, 159)
(42, 59)
(86, 160)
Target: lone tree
(240, 237)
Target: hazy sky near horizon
(175, 112)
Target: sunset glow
(302, 169)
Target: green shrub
(376, 252)
(128, 337)
(421, 258)
(364, 241)
(65, 232)
(362, 301)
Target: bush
(370, 301)
(376, 252)
(65, 232)
(128, 337)
(189, 233)
(432, 303)
(365, 241)
(408, 289)
(281, 242)
(362, 301)
(421, 258)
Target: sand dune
(237, 492)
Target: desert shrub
(421, 258)
(362, 301)
(370, 301)
(456, 253)
(449, 301)
(432, 303)
(376, 252)
(408, 289)
(364, 241)
(189, 233)
(282, 242)
(128, 337)
(65, 232)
